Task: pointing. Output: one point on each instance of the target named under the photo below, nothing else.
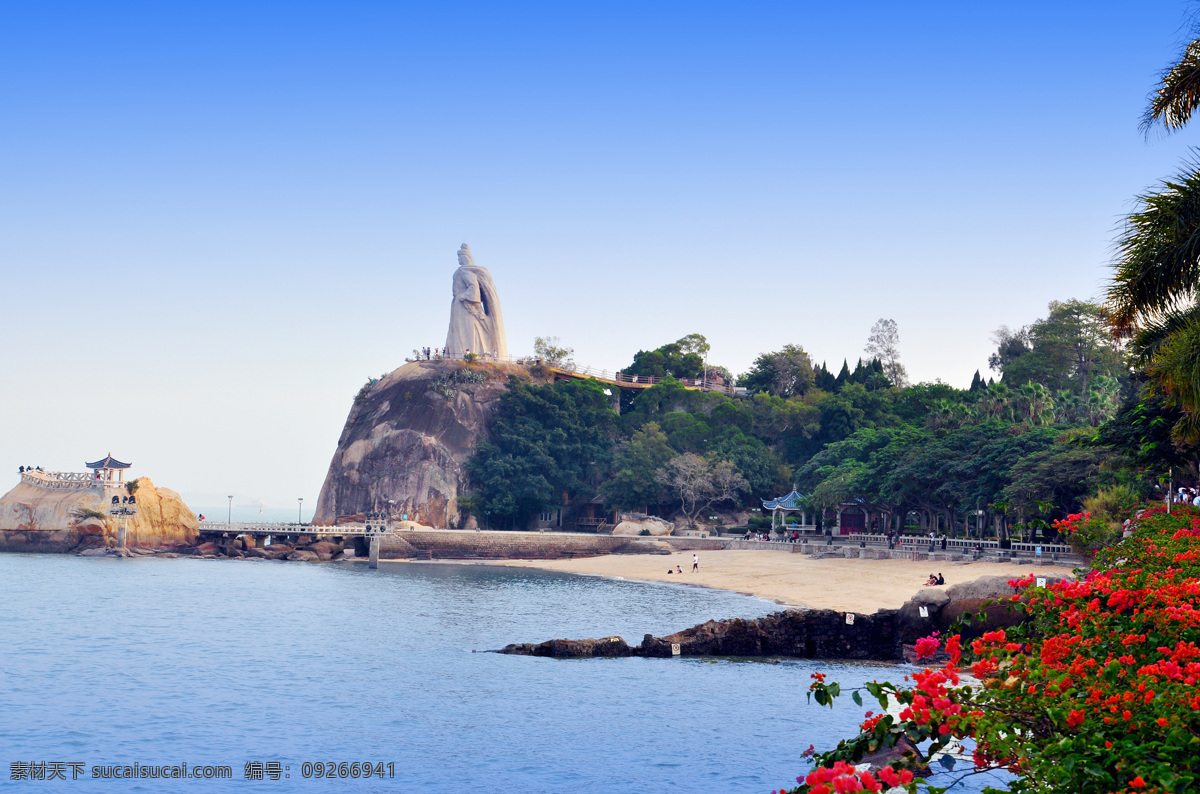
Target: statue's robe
(476, 323)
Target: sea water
(288, 670)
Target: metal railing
(612, 376)
(1047, 548)
(278, 528)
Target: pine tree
(976, 382)
(823, 379)
(843, 376)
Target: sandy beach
(787, 578)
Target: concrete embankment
(495, 545)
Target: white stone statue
(476, 324)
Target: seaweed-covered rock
(611, 647)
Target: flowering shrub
(1087, 533)
(1095, 693)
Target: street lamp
(123, 508)
(299, 504)
(229, 515)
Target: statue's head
(465, 259)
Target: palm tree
(1153, 294)
(1036, 403)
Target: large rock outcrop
(638, 524)
(33, 518)
(407, 439)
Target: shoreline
(790, 580)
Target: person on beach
(941, 579)
(695, 562)
(932, 580)
(678, 569)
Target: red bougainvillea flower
(1102, 676)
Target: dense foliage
(546, 442)
(1065, 421)
(1095, 692)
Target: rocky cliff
(33, 518)
(407, 439)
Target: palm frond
(1158, 254)
(1178, 96)
(1149, 340)
(1176, 368)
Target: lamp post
(380, 519)
(299, 506)
(123, 509)
(229, 515)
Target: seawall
(496, 545)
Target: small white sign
(674, 649)
(924, 611)
(849, 618)
(1041, 581)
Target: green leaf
(857, 698)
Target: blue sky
(218, 219)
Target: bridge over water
(366, 537)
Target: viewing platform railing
(611, 376)
(67, 480)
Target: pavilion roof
(789, 502)
(108, 462)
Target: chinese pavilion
(106, 467)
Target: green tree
(1057, 478)
(764, 472)
(550, 350)
(784, 373)
(546, 441)
(823, 379)
(683, 359)
(1062, 351)
(634, 482)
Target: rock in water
(407, 439)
